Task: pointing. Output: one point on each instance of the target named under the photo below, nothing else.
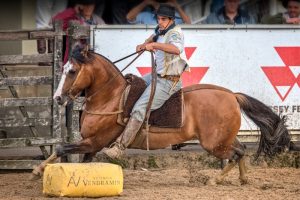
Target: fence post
(57, 72)
(73, 116)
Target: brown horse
(212, 115)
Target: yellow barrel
(83, 179)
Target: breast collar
(163, 32)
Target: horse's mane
(110, 62)
(81, 56)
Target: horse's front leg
(88, 157)
(83, 147)
(38, 171)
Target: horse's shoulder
(205, 87)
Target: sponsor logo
(284, 78)
(188, 78)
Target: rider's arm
(174, 46)
(147, 41)
(169, 48)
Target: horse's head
(76, 75)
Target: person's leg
(135, 122)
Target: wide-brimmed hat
(166, 10)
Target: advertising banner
(262, 63)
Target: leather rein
(113, 78)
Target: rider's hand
(150, 46)
(140, 47)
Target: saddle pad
(169, 115)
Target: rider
(168, 45)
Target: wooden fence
(25, 104)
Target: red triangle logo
(189, 51)
(289, 55)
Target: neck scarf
(162, 32)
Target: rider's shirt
(170, 64)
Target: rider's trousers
(164, 90)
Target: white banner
(262, 63)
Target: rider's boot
(124, 140)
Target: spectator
(45, 10)
(216, 5)
(83, 12)
(144, 13)
(292, 16)
(230, 13)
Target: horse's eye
(72, 71)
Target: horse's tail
(274, 137)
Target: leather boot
(124, 140)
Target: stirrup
(118, 144)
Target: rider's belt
(174, 78)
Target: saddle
(169, 115)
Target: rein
(142, 51)
(100, 89)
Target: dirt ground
(264, 183)
(181, 175)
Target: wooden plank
(31, 80)
(14, 35)
(28, 34)
(26, 59)
(29, 101)
(28, 142)
(19, 164)
(25, 122)
(44, 34)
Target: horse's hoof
(219, 180)
(211, 182)
(34, 177)
(244, 181)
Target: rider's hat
(166, 10)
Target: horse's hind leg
(236, 155)
(243, 171)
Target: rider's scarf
(162, 32)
